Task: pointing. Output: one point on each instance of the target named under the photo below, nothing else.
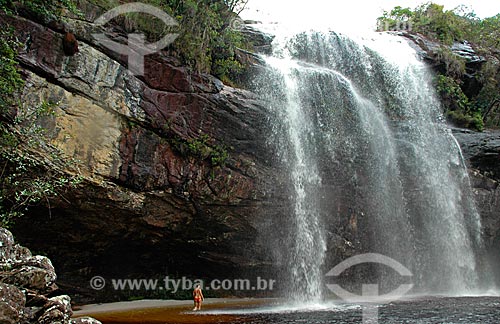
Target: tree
(236, 6)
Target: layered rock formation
(482, 154)
(159, 196)
(430, 51)
(175, 164)
(27, 288)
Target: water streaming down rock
(358, 128)
(306, 236)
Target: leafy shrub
(26, 179)
(459, 109)
(487, 32)
(453, 96)
(206, 41)
(473, 121)
(45, 10)
(200, 148)
(10, 79)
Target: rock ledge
(27, 286)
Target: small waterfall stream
(358, 126)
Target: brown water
(428, 310)
(176, 312)
(179, 315)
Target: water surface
(423, 310)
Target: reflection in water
(422, 310)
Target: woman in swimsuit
(198, 297)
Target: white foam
(282, 308)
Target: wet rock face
(482, 154)
(25, 283)
(487, 194)
(260, 41)
(482, 150)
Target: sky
(351, 15)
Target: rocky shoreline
(28, 292)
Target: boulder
(35, 273)
(261, 41)
(57, 310)
(25, 281)
(6, 244)
(12, 304)
(465, 51)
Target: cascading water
(358, 127)
(307, 242)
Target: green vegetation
(10, 79)
(433, 21)
(45, 10)
(26, 178)
(463, 106)
(429, 19)
(206, 43)
(201, 148)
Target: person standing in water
(197, 297)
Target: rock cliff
(482, 154)
(174, 163)
(481, 150)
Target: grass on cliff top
(465, 108)
(207, 41)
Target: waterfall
(362, 140)
(307, 243)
